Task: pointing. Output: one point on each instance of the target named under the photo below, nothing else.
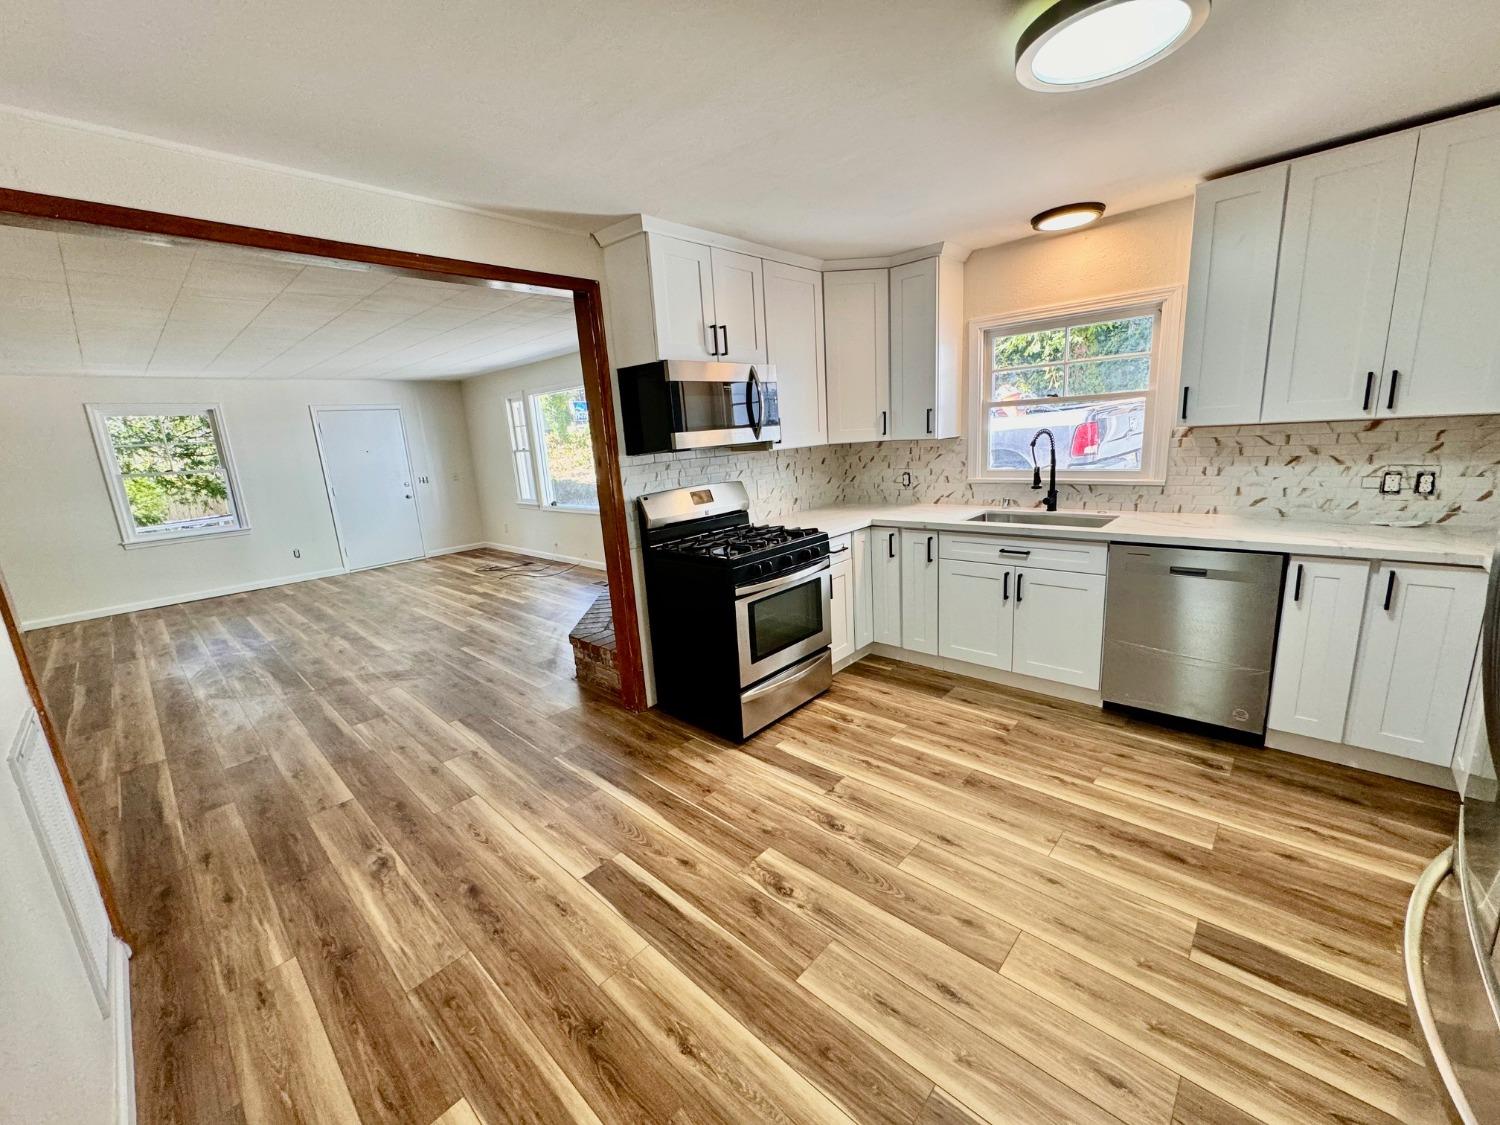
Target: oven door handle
(783, 579)
(781, 679)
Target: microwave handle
(754, 403)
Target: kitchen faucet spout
(1050, 500)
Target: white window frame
(545, 499)
(521, 449)
(1161, 396)
(130, 536)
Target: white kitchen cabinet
(857, 339)
(926, 346)
(1059, 626)
(794, 346)
(974, 612)
(841, 604)
(1322, 609)
(1443, 356)
(682, 299)
(885, 585)
(1231, 283)
(1416, 652)
(739, 306)
(919, 591)
(864, 604)
(1340, 249)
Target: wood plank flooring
(384, 862)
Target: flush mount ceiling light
(1076, 44)
(1067, 217)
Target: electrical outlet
(296, 552)
(1392, 481)
(904, 479)
(1425, 483)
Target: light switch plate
(1392, 481)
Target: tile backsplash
(1305, 470)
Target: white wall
(57, 1053)
(569, 535)
(60, 544)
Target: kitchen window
(520, 451)
(168, 470)
(564, 450)
(1100, 377)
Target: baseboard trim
(1357, 757)
(119, 961)
(439, 552)
(176, 599)
(979, 672)
(535, 553)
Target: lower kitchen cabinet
(885, 585)
(1416, 652)
(1059, 626)
(1322, 608)
(919, 591)
(864, 617)
(974, 612)
(841, 604)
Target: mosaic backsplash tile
(1308, 470)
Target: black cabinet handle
(882, 424)
(724, 330)
(1390, 402)
(1018, 587)
(1390, 590)
(1005, 595)
(1369, 389)
(713, 339)
(891, 546)
(1015, 551)
(1297, 586)
(1184, 403)
(929, 548)
(929, 419)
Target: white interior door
(369, 484)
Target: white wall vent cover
(62, 844)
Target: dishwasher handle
(1189, 571)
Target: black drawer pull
(929, 548)
(1369, 389)
(1005, 596)
(1390, 590)
(1390, 402)
(1018, 587)
(713, 339)
(1297, 588)
(1184, 403)
(1189, 571)
(1014, 551)
(929, 419)
(890, 546)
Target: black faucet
(1050, 500)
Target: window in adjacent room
(169, 471)
(1097, 377)
(520, 451)
(564, 450)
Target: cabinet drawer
(838, 545)
(1043, 554)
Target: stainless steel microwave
(683, 404)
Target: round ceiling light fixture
(1076, 44)
(1069, 216)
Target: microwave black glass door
(703, 407)
(785, 619)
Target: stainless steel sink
(1044, 519)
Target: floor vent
(62, 845)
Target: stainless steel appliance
(1192, 632)
(681, 404)
(740, 622)
(1454, 915)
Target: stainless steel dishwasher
(1192, 633)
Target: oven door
(723, 404)
(781, 621)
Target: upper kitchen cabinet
(857, 326)
(794, 346)
(1231, 283)
(926, 345)
(1443, 356)
(1340, 249)
(671, 298)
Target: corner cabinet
(794, 345)
(919, 591)
(926, 348)
(857, 328)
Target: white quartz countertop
(1296, 537)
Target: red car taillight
(1085, 439)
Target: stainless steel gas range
(739, 613)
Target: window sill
(185, 537)
(570, 510)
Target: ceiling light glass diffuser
(1067, 217)
(1076, 44)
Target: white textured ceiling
(838, 127)
(83, 304)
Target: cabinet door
(1340, 247)
(682, 298)
(1059, 626)
(1442, 339)
(841, 610)
(1231, 281)
(864, 604)
(857, 335)
(885, 585)
(1415, 655)
(1321, 611)
(739, 306)
(914, 329)
(919, 591)
(794, 345)
(974, 612)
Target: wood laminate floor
(385, 863)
